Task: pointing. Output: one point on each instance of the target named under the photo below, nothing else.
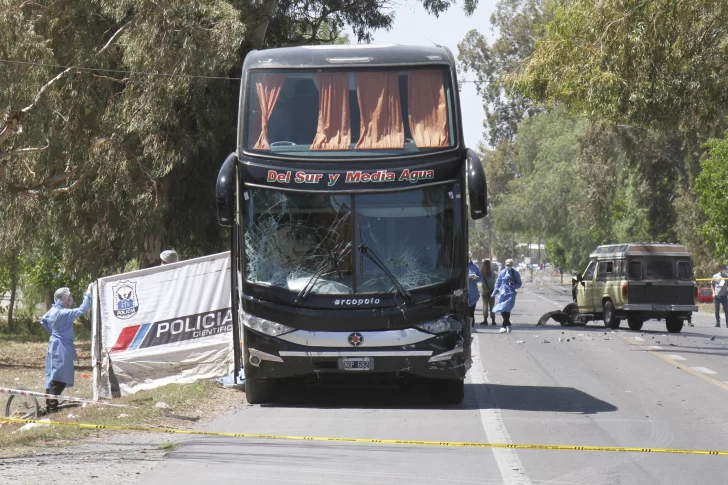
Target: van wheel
(635, 323)
(447, 391)
(674, 324)
(260, 391)
(610, 321)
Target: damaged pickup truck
(634, 282)
(347, 202)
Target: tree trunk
(151, 249)
(152, 243)
(13, 294)
(49, 298)
(257, 32)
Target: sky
(412, 24)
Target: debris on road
(544, 341)
(30, 426)
(711, 338)
(558, 316)
(520, 341)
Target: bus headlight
(265, 326)
(441, 325)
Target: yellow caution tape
(454, 444)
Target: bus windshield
(362, 113)
(299, 240)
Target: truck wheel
(674, 324)
(447, 391)
(572, 309)
(635, 323)
(259, 391)
(610, 321)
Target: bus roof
(356, 55)
(640, 249)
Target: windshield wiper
(369, 253)
(311, 283)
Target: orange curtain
(428, 109)
(268, 87)
(334, 125)
(381, 113)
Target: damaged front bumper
(422, 355)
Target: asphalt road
(595, 387)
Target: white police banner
(162, 325)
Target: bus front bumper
(441, 357)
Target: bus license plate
(356, 363)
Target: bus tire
(447, 391)
(674, 324)
(635, 323)
(259, 391)
(610, 321)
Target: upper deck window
(382, 112)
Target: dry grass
(22, 365)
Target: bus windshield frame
(294, 240)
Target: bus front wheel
(259, 391)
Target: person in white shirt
(720, 294)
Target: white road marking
(545, 299)
(509, 464)
(704, 370)
(639, 339)
(676, 357)
(655, 347)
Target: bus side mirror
(225, 192)
(477, 187)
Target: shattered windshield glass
(299, 240)
(413, 232)
(295, 240)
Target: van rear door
(660, 281)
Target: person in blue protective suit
(474, 277)
(58, 321)
(509, 280)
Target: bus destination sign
(351, 177)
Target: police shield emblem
(126, 303)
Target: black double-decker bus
(347, 198)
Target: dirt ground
(96, 456)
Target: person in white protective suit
(509, 280)
(58, 321)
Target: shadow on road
(477, 396)
(541, 398)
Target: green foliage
(649, 79)
(517, 22)
(712, 188)
(656, 63)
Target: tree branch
(21, 151)
(67, 70)
(60, 190)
